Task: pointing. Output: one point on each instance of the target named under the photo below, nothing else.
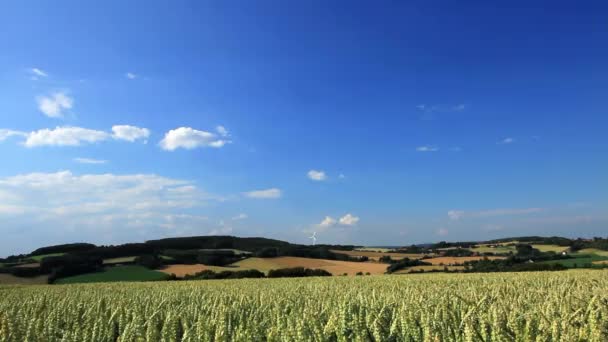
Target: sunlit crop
(556, 306)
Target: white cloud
(189, 138)
(271, 193)
(63, 193)
(222, 131)
(455, 214)
(239, 217)
(341, 176)
(349, 220)
(327, 222)
(459, 214)
(130, 133)
(441, 108)
(317, 175)
(442, 232)
(64, 136)
(54, 104)
(38, 72)
(89, 161)
(507, 141)
(52, 208)
(7, 133)
(130, 76)
(427, 149)
(75, 136)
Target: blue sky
(379, 123)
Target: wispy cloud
(239, 217)
(131, 75)
(461, 214)
(272, 193)
(55, 104)
(89, 161)
(7, 133)
(317, 175)
(427, 149)
(64, 136)
(189, 138)
(507, 140)
(130, 133)
(74, 136)
(442, 232)
(429, 111)
(36, 73)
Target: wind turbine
(313, 237)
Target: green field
(119, 273)
(38, 258)
(593, 251)
(496, 250)
(550, 248)
(544, 306)
(122, 260)
(578, 260)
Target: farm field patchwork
(543, 306)
(458, 260)
(376, 255)
(181, 270)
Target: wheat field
(557, 306)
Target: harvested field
(181, 270)
(458, 260)
(376, 255)
(332, 266)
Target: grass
(6, 279)
(38, 258)
(496, 250)
(118, 273)
(593, 251)
(550, 248)
(123, 260)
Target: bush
(386, 259)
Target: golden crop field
(558, 306)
